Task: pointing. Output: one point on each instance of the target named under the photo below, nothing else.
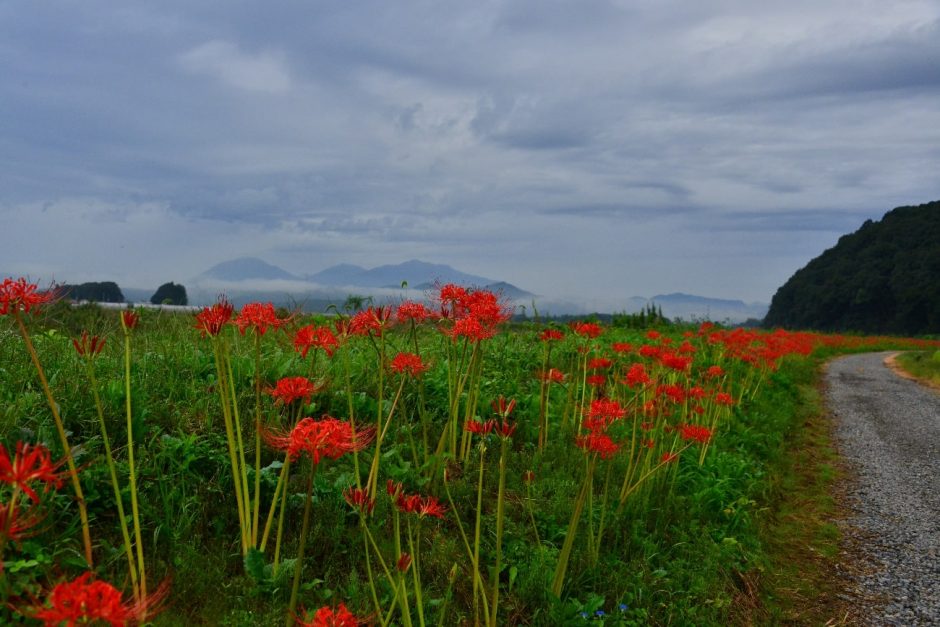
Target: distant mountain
(246, 268)
(690, 306)
(883, 278)
(415, 272)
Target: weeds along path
(888, 430)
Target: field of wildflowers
(422, 464)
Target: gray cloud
(714, 146)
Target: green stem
(60, 428)
(257, 502)
(565, 553)
(133, 470)
(298, 568)
(500, 503)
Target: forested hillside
(883, 278)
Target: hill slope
(884, 278)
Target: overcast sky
(572, 148)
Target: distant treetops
(883, 278)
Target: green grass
(924, 365)
(699, 544)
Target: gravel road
(888, 430)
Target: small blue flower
(623, 607)
(600, 613)
(584, 615)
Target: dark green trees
(169, 294)
(104, 292)
(884, 278)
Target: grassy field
(476, 472)
(924, 365)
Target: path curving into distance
(887, 429)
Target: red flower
(714, 372)
(675, 393)
(403, 563)
(129, 320)
(528, 477)
(652, 335)
(675, 362)
(471, 328)
(696, 432)
(586, 329)
(598, 443)
(621, 347)
(422, 506)
(394, 488)
(637, 375)
(327, 437)
(479, 428)
(290, 389)
(315, 337)
(408, 363)
(551, 335)
(648, 350)
(668, 457)
(599, 363)
(89, 346)
(30, 463)
(606, 411)
(358, 498)
(329, 617)
(450, 293)
(84, 600)
(258, 316)
(415, 312)
(505, 429)
(502, 407)
(372, 320)
(15, 525)
(596, 380)
(20, 295)
(723, 398)
(553, 376)
(210, 320)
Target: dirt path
(887, 429)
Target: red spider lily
(528, 477)
(714, 372)
(258, 316)
(553, 376)
(599, 443)
(343, 330)
(372, 320)
(16, 525)
(648, 444)
(674, 361)
(723, 398)
(653, 335)
(30, 463)
(408, 363)
(606, 410)
(358, 498)
(422, 506)
(675, 393)
(586, 329)
(315, 337)
(290, 389)
(697, 392)
(88, 345)
(596, 380)
(637, 375)
(600, 363)
(551, 335)
(650, 408)
(668, 457)
(695, 432)
(210, 320)
(450, 293)
(471, 328)
(129, 319)
(329, 617)
(502, 407)
(412, 311)
(20, 295)
(621, 347)
(479, 428)
(647, 426)
(505, 429)
(327, 437)
(686, 348)
(403, 563)
(394, 488)
(648, 350)
(84, 600)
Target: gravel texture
(888, 431)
